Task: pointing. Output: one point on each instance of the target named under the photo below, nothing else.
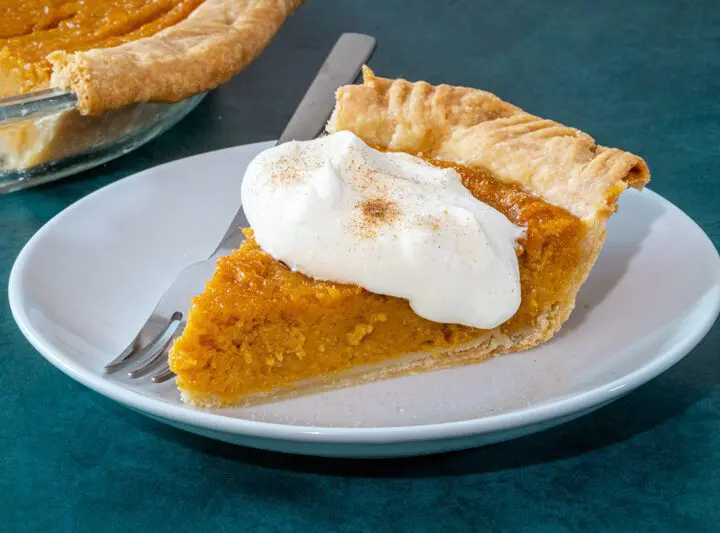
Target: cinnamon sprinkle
(375, 212)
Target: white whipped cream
(337, 210)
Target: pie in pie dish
(264, 330)
(113, 53)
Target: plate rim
(203, 419)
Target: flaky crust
(474, 128)
(477, 129)
(214, 43)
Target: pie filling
(261, 326)
(31, 30)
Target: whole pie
(112, 53)
(262, 330)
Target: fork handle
(341, 67)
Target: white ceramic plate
(85, 283)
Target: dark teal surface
(641, 75)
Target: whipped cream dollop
(337, 210)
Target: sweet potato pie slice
(262, 331)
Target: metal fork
(147, 353)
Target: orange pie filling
(31, 30)
(260, 326)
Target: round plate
(85, 283)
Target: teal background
(641, 75)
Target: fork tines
(144, 356)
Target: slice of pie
(112, 53)
(262, 330)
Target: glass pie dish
(44, 138)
